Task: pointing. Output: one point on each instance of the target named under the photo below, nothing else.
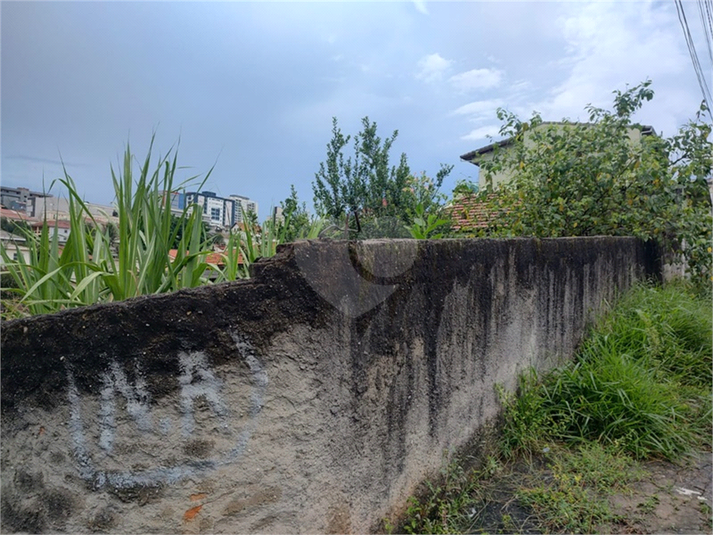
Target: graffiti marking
(196, 380)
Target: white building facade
(219, 212)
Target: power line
(704, 10)
(694, 55)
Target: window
(215, 214)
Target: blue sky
(252, 87)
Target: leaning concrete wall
(311, 398)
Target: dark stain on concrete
(140, 494)
(29, 482)
(103, 520)
(17, 518)
(199, 448)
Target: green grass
(641, 382)
(447, 506)
(575, 498)
(100, 263)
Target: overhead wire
(694, 55)
(707, 22)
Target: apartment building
(217, 211)
(20, 199)
(242, 205)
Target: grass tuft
(640, 383)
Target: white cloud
(480, 108)
(476, 79)
(432, 67)
(421, 6)
(611, 45)
(482, 133)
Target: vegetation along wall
(313, 397)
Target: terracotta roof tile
(468, 212)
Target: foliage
(425, 225)
(365, 186)
(641, 382)
(444, 507)
(574, 499)
(589, 179)
(465, 187)
(178, 226)
(14, 227)
(297, 218)
(87, 270)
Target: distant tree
(296, 217)
(14, 227)
(593, 179)
(180, 223)
(465, 187)
(365, 185)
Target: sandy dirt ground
(668, 498)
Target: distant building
(20, 199)
(243, 205)
(49, 207)
(485, 154)
(58, 227)
(217, 211)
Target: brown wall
(311, 398)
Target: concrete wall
(311, 398)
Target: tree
(297, 219)
(14, 227)
(604, 178)
(364, 185)
(178, 226)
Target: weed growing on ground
(445, 507)
(648, 505)
(641, 382)
(575, 498)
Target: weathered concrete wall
(311, 398)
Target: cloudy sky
(252, 87)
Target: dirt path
(666, 498)
(670, 499)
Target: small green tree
(297, 219)
(605, 178)
(365, 185)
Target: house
(59, 227)
(216, 258)
(14, 245)
(486, 153)
(472, 214)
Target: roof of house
(58, 223)
(15, 215)
(469, 213)
(470, 156)
(217, 258)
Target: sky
(250, 88)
